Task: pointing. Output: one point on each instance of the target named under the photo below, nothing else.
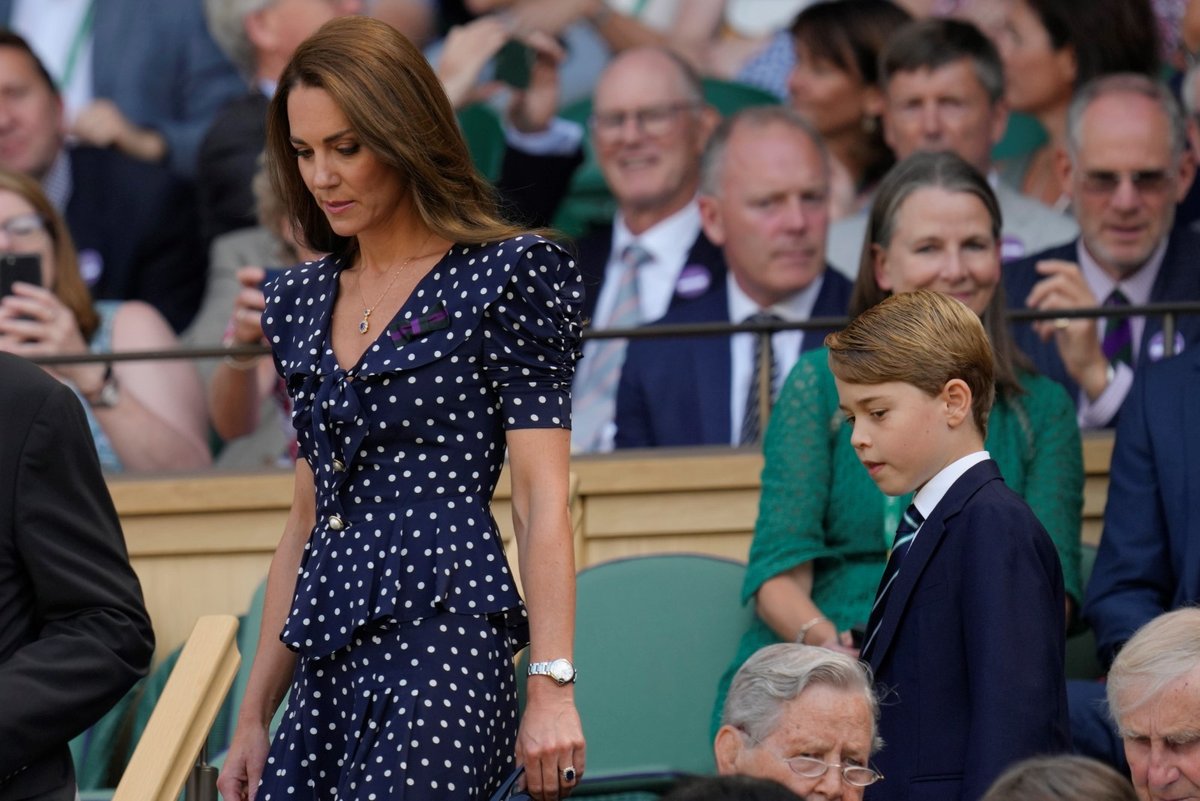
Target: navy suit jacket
(158, 63)
(1149, 557)
(227, 163)
(137, 223)
(675, 391)
(968, 660)
(1178, 280)
(74, 633)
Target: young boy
(966, 636)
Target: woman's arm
(784, 602)
(550, 737)
(273, 662)
(237, 387)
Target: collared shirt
(930, 495)
(56, 183)
(785, 345)
(1137, 287)
(57, 31)
(668, 242)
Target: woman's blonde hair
(68, 284)
(396, 106)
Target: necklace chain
(364, 325)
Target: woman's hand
(244, 763)
(34, 322)
(246, 322)
(550, 740)
(842, 642)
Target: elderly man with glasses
(805, 717)
(1125, 168)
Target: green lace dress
(818, 503)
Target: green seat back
(653, 635)
(1081, 661)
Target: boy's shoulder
(981, 497)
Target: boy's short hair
(921, 338)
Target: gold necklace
(364, 325)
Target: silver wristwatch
(561, 670)
(109, 393)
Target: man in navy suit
(764, 199)
(1148, 562)
(1125, 169)
(134, 223)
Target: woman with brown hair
(431, 339)
(835, 86)
(144, 415)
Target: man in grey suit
(943, 89)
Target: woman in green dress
(823, 531)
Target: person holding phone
(144, 415)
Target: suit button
(336, 522)
(339, 466)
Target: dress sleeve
(532, 339)
(1054, 475)
(797, 475)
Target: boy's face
(901, 435)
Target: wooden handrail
(179, 725)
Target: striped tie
(752, 415)
(595, 390)
(906, 532)
(1118, 332)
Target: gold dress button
(339, 466)
(336, 522)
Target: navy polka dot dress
(405, 616)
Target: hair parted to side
(936, 42)
(712, 162)
(1160, 652)
(1065, 777)
(949, 171)
(775, 674)
(68, 283)
(396, 106)
(921, 338)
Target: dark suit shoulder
(24, 385)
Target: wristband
(807, 627)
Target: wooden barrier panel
(202, 544)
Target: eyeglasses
(1103, 183)
(652, 120)
(813, 768)
(23, 227)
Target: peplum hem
(442, 555)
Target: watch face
(562, 671)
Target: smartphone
(24, 267)
(269, 275)
(513, 63)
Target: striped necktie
(1118, 332)
(752, 415)
(906, 532)
(595, 390)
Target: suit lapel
(1190, 577)
(711, 363)
(927, 542)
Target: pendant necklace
(364, 325)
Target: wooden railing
(202, 544)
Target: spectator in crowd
(834, 86)
(823, 530)
(943, 88)
(74, 633)
(1065, 777)
(1125, 167)
(764, 199)
(1146, 564)
(649, 125)
(259, 36)
(803, 716)
(1154, 694)
(1051, 49)
(144, 415)
(141, 77)
(133, 222)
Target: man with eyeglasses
(648, 126)
(764, 198)
(803, 716)
(1125, 168)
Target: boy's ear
(957, 397)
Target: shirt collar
(936, 488)
(56, 183)
(794, 308)
(1137, 287)
(663, 235)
